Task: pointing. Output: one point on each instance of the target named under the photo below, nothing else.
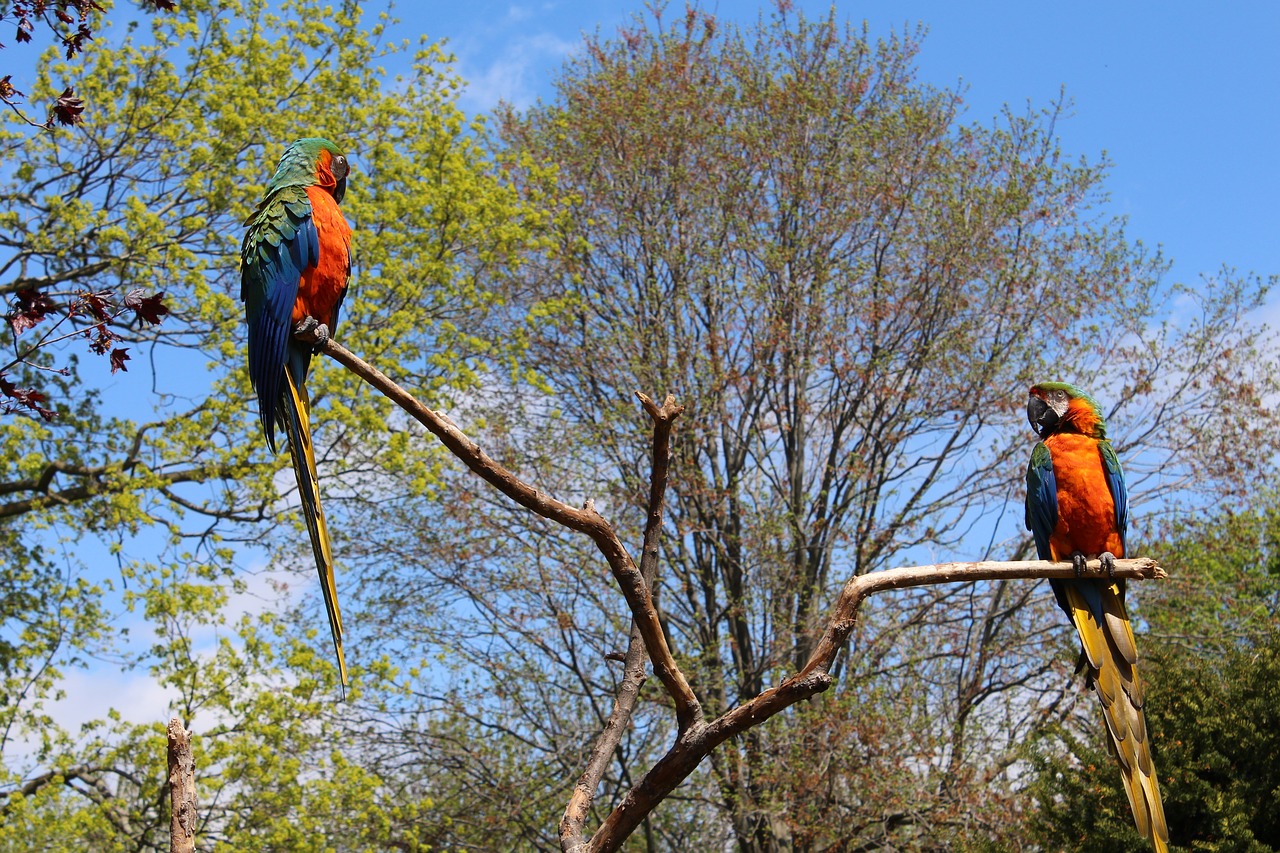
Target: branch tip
(664, 414)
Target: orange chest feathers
(1086, 510)
(322, 286)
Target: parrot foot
(1080, 563)
(311, 326)
(1108, 561)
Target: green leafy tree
(1215, 722)
(127, 512)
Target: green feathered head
(312, 162)
(1058, 407)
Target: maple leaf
(98, 304)
(118, 358)
(26, 397)
(33, 306)
(7, 90)
(104, 340)
(150, 309)
(75, 42)
(67, 108)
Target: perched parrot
(294, 265)
(1078, 509)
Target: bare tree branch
(575, 814)
(585, 520)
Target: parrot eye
(340, 167)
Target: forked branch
(585, 520)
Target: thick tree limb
(585, 520)
(182, 790)
(696, 738)
(113, 477)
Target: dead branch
(696, 743)
(696, 738)
(575, 814)
(585, 520)
(182, 790)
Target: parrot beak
(1041, 415)
(340, 189)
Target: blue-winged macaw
(1078, 509)
(294, 266)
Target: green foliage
(1212, 662)
(1215, 723)
(1224, 589)
(128, 520)
(271, 774)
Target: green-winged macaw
(294, 266)
(1078, 509)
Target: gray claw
(1079, 562)
(1108, 561)
(320, 330)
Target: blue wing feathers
(281, 244)
(1042, 514)
(1042, 499)
(1114, 476)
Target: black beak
(1041, 415)
(340, 189)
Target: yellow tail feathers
(1112, 655)
(298, 425)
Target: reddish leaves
(150, 309)
(27, 12)
(67, 108)
(70, 22)
(23, 398)
(97, 304)
(30, 307)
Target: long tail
(1097, 609)
(297, 423)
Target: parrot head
(1056, 407)
(312, 162)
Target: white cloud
(514, 71)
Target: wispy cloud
(514, 70)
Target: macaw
(1078, 508)
(295, 263)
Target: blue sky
(1180, 95)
